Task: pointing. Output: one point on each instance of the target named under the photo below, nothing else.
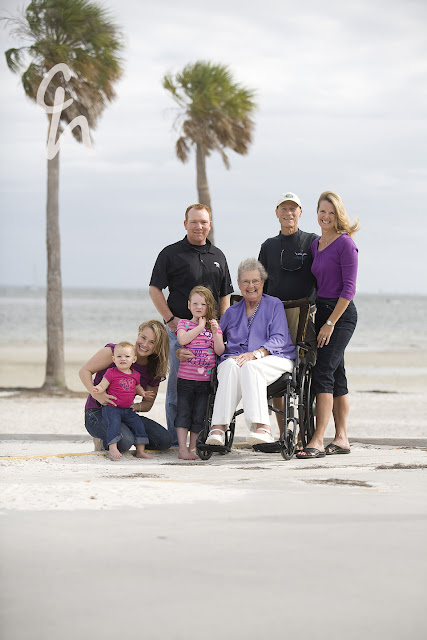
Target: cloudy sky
(342, 96)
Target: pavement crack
(134, 475)
(400, 465)
(340, 481)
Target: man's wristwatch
(330, 323)
(258, 354)
(170, 320)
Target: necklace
(325, 242)
(253, 315)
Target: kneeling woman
(259, 350)
(152, 351)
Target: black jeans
(192, 403)
(158, 437)
(329, 372)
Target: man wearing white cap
(287, 257)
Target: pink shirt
(200, 367)
(122, 385)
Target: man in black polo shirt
(287, 259)
(180, 267)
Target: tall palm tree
(215, 115)
(81, 35)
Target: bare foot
(143, 454)
(186, 454)
(97, 444)
(114, 452)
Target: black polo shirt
(288, 260)
(181, 266)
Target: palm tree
(215, 115)
(81, 35)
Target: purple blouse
(146, 379)
(269, 329)
(335, 268)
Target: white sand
(398, 408)
(63, 513)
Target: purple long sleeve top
(335, 268)
(269, 329)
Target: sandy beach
(226, 548)
(387, 390)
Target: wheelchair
(295, 388)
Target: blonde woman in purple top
(335, 268)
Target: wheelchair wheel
(291, 420)
(204, 451)
(289, 446)
(203, 455)
(309, 405)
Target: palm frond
(215, 109)
(14, 59)
(80, 34)
(182, 149)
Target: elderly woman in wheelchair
(259, 350)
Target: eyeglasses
(247, 283)
(294, 261)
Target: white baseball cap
(289, 196)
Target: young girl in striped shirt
(202, 334)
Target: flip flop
(310, 452)
(334, 449)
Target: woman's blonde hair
(157, 362)
(342, 222)
(210, 302)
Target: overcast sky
(342, 95)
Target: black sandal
(310, 452)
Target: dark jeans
(158, 437)
(329, 372)
(192, 403)
(115, 416)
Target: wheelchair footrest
(269, 447)
(216, 448)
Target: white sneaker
(259, 437)
(217, 438)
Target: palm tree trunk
(55, 372)
(202, 183)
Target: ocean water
(97, 316)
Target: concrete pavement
(244, 546)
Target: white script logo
(59, 106)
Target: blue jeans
(171, 391)
(192, 402)
(115, 416)
(158, 437)
(329, 372)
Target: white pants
(249, 383)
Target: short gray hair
(251, 264)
